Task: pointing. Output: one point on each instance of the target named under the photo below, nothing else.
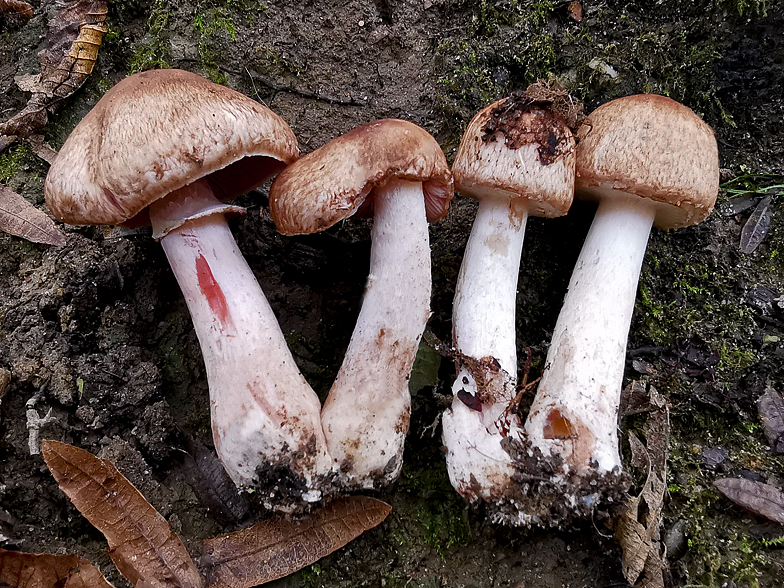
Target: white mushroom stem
(484, 336)
(367, 412)
(264, 413)
(575, 412)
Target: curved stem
(367, 412)
(485, 341)
(575, 412)
(264, 413)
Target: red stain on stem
(212, 291)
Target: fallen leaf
(41, 148)
(74, 35)
(275, 548)
(17, 6)
(202, 469)
(771, 410)
(142, 545)
(43, 570)
(20, 218)
(761, 499)
(575, 11)
(755, 229)
(637, 529)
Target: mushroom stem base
(265, 417)
(366, 415)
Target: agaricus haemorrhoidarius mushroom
(517, 158)
(174, 145)
(397, 171)
(647, 160)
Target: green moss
(439, 515)
(272, 62)
(152, 52)
(13, 159)
(211, 25)
(746, 7)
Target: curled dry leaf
(763, 500)
(637, 529)
(143, 546)
(43, 570)
(275, 548)
(20, 218)
(74, 36)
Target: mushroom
(397, 171)
(517, 158)
(172, 145)
(647, 160)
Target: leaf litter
(74, 35)
(771, 411)
(20, 218)
(44, 570)
(148, 553)
(638, 529)
(764, 500)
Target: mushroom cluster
(169, 148)
(648, 161)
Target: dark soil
(97, 331)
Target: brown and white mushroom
(648, 161)
(517, 158)
(397, 171)
(174, 146)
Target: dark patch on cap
(539, 115)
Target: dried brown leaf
(275, 548)
(20, 218)
(143, 546)
(43, 570)
(17, 6)
(637, 528)
(42, 149)
(771, 410)
(74, 35)
(757, 227)
(763, 500)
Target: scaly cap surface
(653, 147)
(332, 182)
(158, 131)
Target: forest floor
(98, 333)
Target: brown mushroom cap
(518, 150)
(332, 182)
(652, 147)
(156, 132)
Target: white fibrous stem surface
(575, 412)
(264, 413)
(367, 413)
(481, 415)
